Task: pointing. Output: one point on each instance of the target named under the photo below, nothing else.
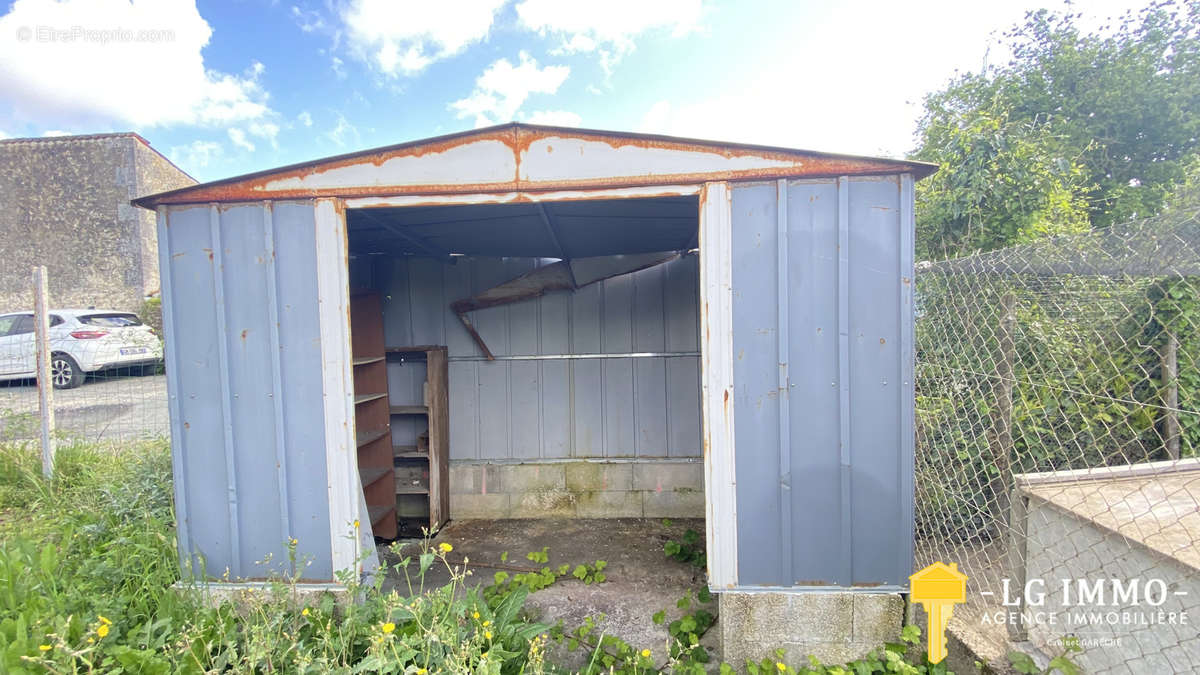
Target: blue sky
(232, 87)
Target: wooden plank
(409, 410)
(372, 474)
(364, 398)
(408, 452)
(439, 437)
(368, 360)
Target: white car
(82, 341)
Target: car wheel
(65, 372)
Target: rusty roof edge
(917, 168)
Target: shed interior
(590, 406)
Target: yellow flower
(445, 548)
(421, 671)
(102, 631)
(475, 615)
(487, 623)
(389, 627)
(44, 648)
(293, 541)
(103, 620)
(780, 666)
(305, 612)
(91, 640)
(356, 523)
(487, 634)
(646, 653)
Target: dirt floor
(641, 579)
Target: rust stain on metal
(244, 332)
(209, 251)
(519, 138)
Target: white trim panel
(341, 460)
(716, 384)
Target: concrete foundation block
(523, 478)
(825, 625)
(597, 476)
(546, 503)
(473, 506)
(598, 504)
(663, 476)
(677, 503)
(464, 478)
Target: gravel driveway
(105, 408)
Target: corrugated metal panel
(823, 416)
(237, 439)
(556, 408)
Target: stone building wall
(64, 203)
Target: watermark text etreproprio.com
(84, 34)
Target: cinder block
(665, 476)
(475, 479)
(878, 617)
(473, 506)
(821, 624)
(551, 503)
(464, 478)
(678, 503)
(523, 478)
(597, 504)
(588, 476)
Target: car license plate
(126, 351)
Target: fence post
(1002, 439)
(41, 318)
(1170, 373)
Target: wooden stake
(41, 318)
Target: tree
(1105, 120)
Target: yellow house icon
(938, 588)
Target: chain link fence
(106, 366)
(1058, 422)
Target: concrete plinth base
(834, 627)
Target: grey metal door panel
(821, 398)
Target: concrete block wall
(577, 489)
(1063, 545)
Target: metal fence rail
(1068, 354)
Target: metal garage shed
(797, 352)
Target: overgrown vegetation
(1078, 129)
(88, 561)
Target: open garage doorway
(532, 359)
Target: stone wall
(66, 206)
(645, 488)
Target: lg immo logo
(1087, 602)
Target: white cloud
(343, 133)
(402, 38)
(555, 118)
(239, 139)
(195, 155)
(52, 133)
(336, 65)
(607, 28)
(137, 63)
(503, 88)
(308, 20)
(265, 130)
(304, 118)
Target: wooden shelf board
(368, 359)
(410, 410)
(377, 513)
(408, 452)
(412, 490)
(371, 474)
(363, 398)
(364, 437)
(411, 349)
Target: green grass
(87, 564)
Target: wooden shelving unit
(372, 418)
(422, 475)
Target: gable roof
(517, 157)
